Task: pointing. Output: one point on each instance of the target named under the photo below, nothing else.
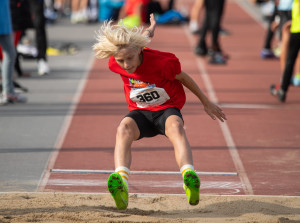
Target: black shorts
(152, 123)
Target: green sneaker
(118, 190)
(191, 186)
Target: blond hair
(112, 38)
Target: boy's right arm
(149, 32)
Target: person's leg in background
(293, 50)
(294, 47)
(285, 36)
(201, 48)
(216, 15)
(266, 52)
(39, 23)
(8, 61)
(194, 16)
(215, 10)
(9, 54)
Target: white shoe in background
(3, 100)
(27, 50)
(43, 67)
(83, 16)
(12, 98)
(17, 98)
(75, 17)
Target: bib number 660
(149, 96)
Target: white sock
(193, 26)
(185, 168)
(124, 172)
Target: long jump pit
(96, 207)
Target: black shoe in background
(276, 91)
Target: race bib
(149, 96)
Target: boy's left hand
(214, 112)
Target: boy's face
(129, 59)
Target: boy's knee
(175, 128)
(125, 130)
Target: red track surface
(264, 133)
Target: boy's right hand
(152, 24)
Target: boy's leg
(175, 132)
(117, 183)
(127, 132)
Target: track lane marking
(140, 172)
(227, 187)
(65, 126)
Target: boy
(153, 85)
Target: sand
(83, 207)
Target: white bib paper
(149, 96)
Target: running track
(260, 141)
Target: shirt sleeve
(172, 68)
(113, 66)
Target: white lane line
(141, 172)
(224, 127)
(141, 195)
(65, 127)
(150, 183)
(226, 187)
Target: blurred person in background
(39, 25)
(280, 91)
(6, 41)
(284, 47)
(270, 12)
(21, 21)
(213, 15)
(285, 16)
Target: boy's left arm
(210, 108)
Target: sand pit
(78, 207)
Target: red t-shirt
(153, 85)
